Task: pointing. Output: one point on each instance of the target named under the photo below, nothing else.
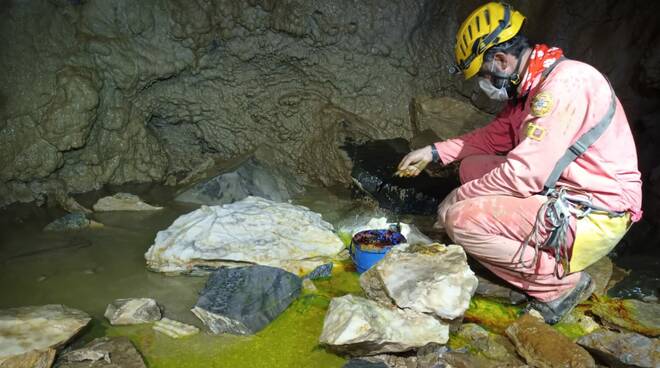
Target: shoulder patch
(535, 132)
(542, 104)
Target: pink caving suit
(503, 169)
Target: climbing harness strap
(554, 216)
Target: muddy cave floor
(87, 269)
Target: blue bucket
(364, 259)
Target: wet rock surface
(253, 230)
(542, 346)
(630, 314)
(434, 279)
(496, 289)
(374, 165)
(250, 178)
(478, 341)
(32, 359)
(175, 329)
(123, 202)
(27, 329)
(245, 300)
(109, 352)
(358, 326)
(72, 221)
(132, 311)
(622, 349)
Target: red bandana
(541, 57)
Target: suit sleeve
(557, 115)
(494, 138)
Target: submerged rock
(175, 329)
(374, 164)
(253, 230)
(123, 202)
(543, 346)
(244, 300)
(110, 352)
(630, 314)
(430, 279)
(623, 349)
(361, 363)
(132, 311)
(251, 178)
(38, 329)
(72, 221)
(359, 326)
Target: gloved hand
(414, 162)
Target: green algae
(289, 341)
(492, 315)
(630, 314)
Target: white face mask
(497, 94)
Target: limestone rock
(601, 273)
(108, 352)
(132, 311)
(446, 116)
(175, 329)
(358, 326)
(432, 279)
(123, 202)
(245, 300)
(31, 359)
(542, 346)
(253, 230)
(630, 314)
(72, 221)
(495, 348)
(322, 271)
(497, 290)
(251, 178)
(309, 286)
(623, 349)
(38, 328)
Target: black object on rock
(244, 300)
(374, 165)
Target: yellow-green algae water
(88, 269)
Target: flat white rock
(251, 231)
(432, 279)
(359, 326)
(38, 328)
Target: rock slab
(132, 311)
(542, 346)
(253, 230)
(123, 202)
(38, 328)
(358, 326)
(431, 278)
(630, 314)
(105, 352)
(244, 300)
(623, 349)
(251, 178)
(175, 329)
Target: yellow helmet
(484, 28)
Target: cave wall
(95, 92)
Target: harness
(554, 215)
